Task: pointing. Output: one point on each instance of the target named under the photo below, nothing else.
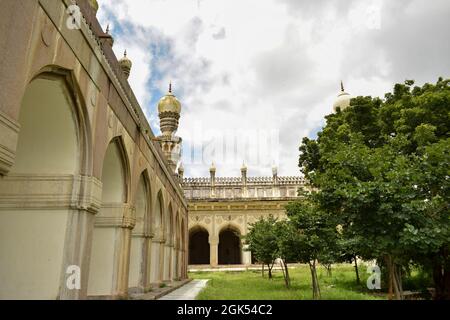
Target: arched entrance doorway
(138, 271)
(199, 246)
(229, 247)
(155, 263)
(33, 222)
(102, 270)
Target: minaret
(244, 174)
(107, 38)
(244, 180)
(212, 175)
(169, 110)
(181, 172)
(275, 185)
(275, 175)
(125, 65)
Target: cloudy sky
(255, 76)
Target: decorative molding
(50, 192)
(116, 215)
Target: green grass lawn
(250, 285)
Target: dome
(125, 65)
(125, 62)
(343, 100)
(169, 103)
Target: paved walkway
(186, 292)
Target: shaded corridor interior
(199, 247)
(229, 247)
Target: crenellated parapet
(242, 187)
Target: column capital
(213, 240)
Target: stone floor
(187, 292)
(157, 293)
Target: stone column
(155, 263)
(148, 262)
(180, 263)
(123, 260)
(162, 253)
(246, 255)
(78, 241)
(213, 251)
(169, 262)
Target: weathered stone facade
(220, 205)
(83, 180)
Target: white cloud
(261, 64)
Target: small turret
(125, 65)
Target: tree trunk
(395, 280)
(328, 267)
(270, 271)
(262, 271)
(441, 279)
(315, 281)
(284, 268)
(358, 281)
(288, 278)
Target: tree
(381, 169)
(315, 233)
(289, 243)
(262, 242)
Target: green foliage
(262, 240)
(313, 231)
(382, 171)
(250, 286)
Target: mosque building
(93, 205)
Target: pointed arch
(47, 152)
(138, 266)
(168, 226)
(199, 250)
(158, 219)
(230, 247)
(80, 112)
(103, 270)
(143, 204)
(115, 162)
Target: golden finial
(170, 87)
(342, 86)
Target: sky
(256, 76)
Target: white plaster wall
(166, 275)
(154, 271)
(136, 254)
(102, 262)
(31, 253)
(47, 139)
(113, 176)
